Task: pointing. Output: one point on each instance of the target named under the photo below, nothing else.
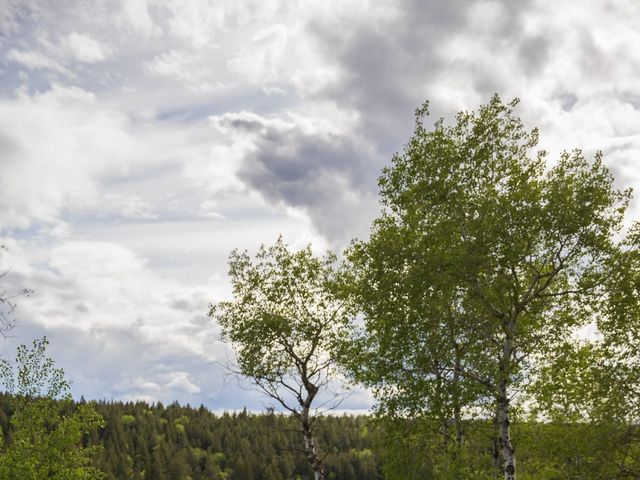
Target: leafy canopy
(285, 321)
(483, 263)
(46, 435)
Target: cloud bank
(142, 141)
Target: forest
(151, 441)
(493, 313)
(142, 441)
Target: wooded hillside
(143, 441)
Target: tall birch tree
(475, 268)
(286, 325)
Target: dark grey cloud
(391, 65)
(533, 52)
(567, 100)
(8, 148)
(328, 176)
(387, 68)
(632, 98)
(319, 177)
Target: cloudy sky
(142, 140)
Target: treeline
(140, 441)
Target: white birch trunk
(508, 452)
(310, 448)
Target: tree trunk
(310, 447)
(495, 453)
(503, 403)
(457, 417)
(456, 414)
(508, 453)
(495, 446)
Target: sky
(143, 140)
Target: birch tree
(286, 325)
(474, 270)
(47, 435)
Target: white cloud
(56, 145)
(58, 56)
(138, 384)
(34, 60)
(186, 67)
(85, 49)
(136, 13)
(148, 139)
(130, 326)
(209, 208)
(182, 382)
(196, 21)
(66, 152)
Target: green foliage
(34, 374)
(252, 447)
(45, 435)
(234, 446)
(481, 267)
(284, 313)
(564, 450)
(46, 442)
(598, 381)
(128, 420)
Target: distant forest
(140, 441)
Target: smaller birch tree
(286, 326)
